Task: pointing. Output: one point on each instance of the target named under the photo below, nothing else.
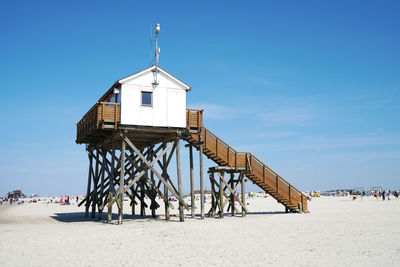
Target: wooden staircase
(259, 173)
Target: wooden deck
(103, 118)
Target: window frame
(151, 99)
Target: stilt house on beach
(133, 130)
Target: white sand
(337, 232)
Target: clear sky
(312, 88)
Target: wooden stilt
(201, 177)
(142, 204)
(109, 212)
(133, 190)
(100, 213)
(178, 174)
(88, 186)
(191, 182)
(232, 195)
(243, 193)
(121, 182)
(213, 204)
(153, 190)
(164, 169)
(221, 196)
(95, 181)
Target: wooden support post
(201, 176)
(88, 186)
(191, 182)
(153, 192)
(243, 181)
(95, 182)
(178, 174)
(213, 206)
(232, 195)
(121, 182)
(142, 204)
(221, 196)
(164, 170)
(103, 167)
(133, 190)
(109, 213)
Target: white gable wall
(169, 102)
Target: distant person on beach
(77, 199)
(396, 194)
(383, 195)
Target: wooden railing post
(188, 114)
(277, 183)
(115, 123)
(102, 112)
(290, 197)
(264, 173)
(205, 138)
(236, 167)
(301, 199)
(216, 146)
(198, 120)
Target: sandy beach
(337, 232)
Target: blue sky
(310, 87)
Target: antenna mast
(155, 83)
(157, 48)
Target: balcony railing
(106, 113)
(100, 114)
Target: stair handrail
(278, 176)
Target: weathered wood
(222, 180)
(213, 200)
(150, 166)
(221, 196)
(146, 166)
(121, 183)
(178, 174)
(153, 186)
(232, 196)
(142, 203)
(201, 177)
(164, 174)
(88, 185)
(109, 212)
(100, 211)
(191, 182)
(95, 182)
(243, 193)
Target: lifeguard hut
(133, 130)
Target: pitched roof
(187, 87)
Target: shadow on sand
(76, 217)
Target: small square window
(147, 98)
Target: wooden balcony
(105, 116)
(102, 115)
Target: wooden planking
(194, 118)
